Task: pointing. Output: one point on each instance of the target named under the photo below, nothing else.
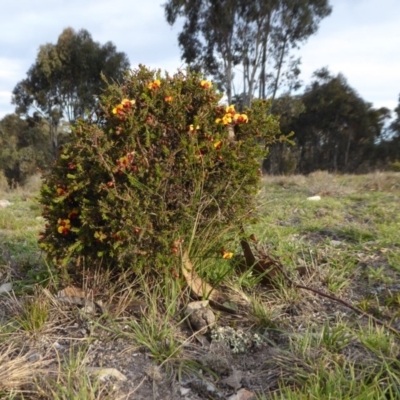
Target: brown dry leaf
(104, 373)
(74, 295)
(265, 266)
(202, 289)
(71, 292)
(199, 288)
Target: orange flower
(168, 99)
(154, 85)
(205, 84)
(241, 119)
(73, 214)
(119, 109)
(123, 162)
(227, 255)
(64, 226)
(218, 145)
(126, 103)
(230, 109)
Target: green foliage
(163, 161)
(336, 131)
(395, 125)
(23, 149)
(394, 166)
(66, 78)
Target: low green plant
(33, 315)
(157, 335)
(161, 156)
(394, 166)
(377, 340)
(335, 338)
(74, 381)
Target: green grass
(346, 245)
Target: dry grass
(30, 188)
(325, 183)
(18, 367)
(345, 245)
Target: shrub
(161, 160)
(394, 166)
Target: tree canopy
(335, 129)
(66, 77)
(256, 36)
(23, 149)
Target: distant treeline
(334, 129)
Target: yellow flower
(227, 119)
(64, 226)
(205, 84)
(227, 255)
(127, 103)
(154, 85)
(168, 99)
(119, 109)
(218, 144)
(241, 119)
(230, 110)
(218, 120)
(192, 128)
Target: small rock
(199, 317)
(184, 391)
(218, 363)
(153, 372)
(6, 287)
(314, 198)
(234, 380)
(104, 373)
(4, 203)
(34, 357)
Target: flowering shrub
(161, 157)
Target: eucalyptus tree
(23, 148)
(63, 82)
(337, 127)
(253, 36)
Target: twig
(280, 267)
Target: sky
(360, 39)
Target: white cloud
(360, 40)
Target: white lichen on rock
(237, 340)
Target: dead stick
(334, 298)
